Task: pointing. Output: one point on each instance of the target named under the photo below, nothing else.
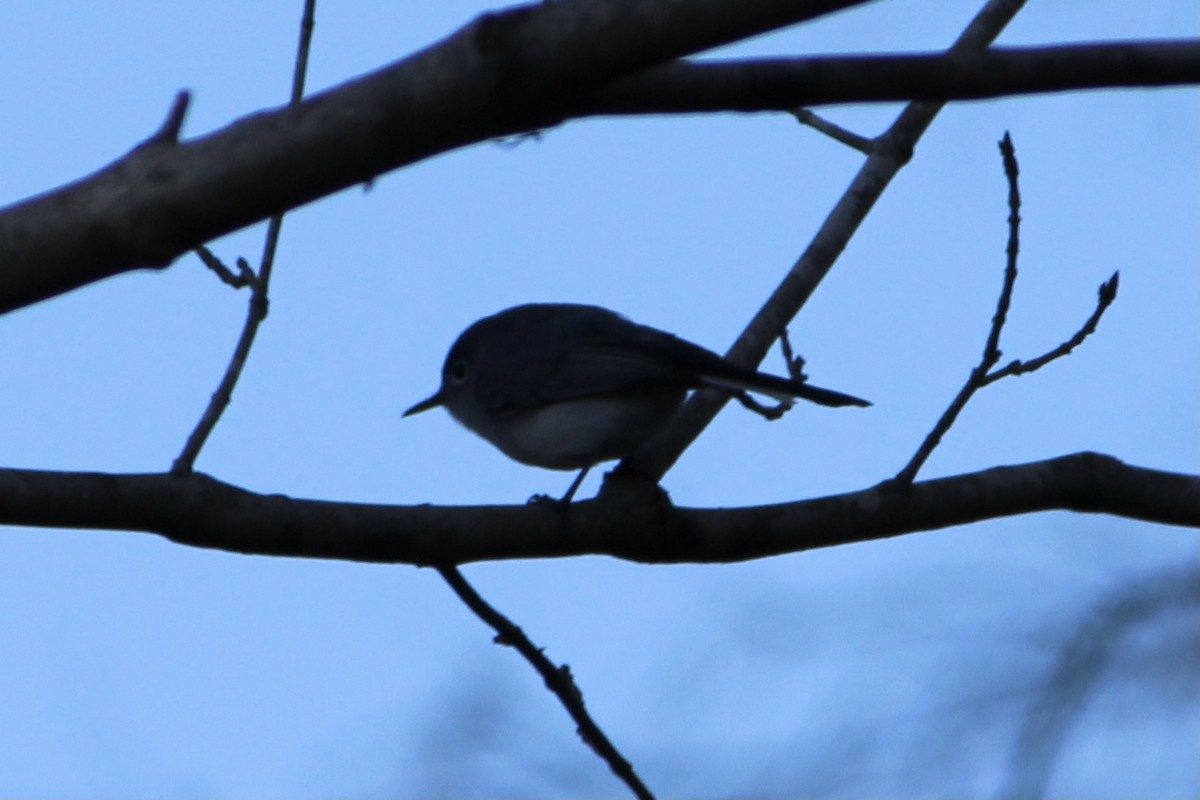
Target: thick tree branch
(625, 522)
(488, 80)
(504, 73)
(783, 84)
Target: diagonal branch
(164, 198)
(891, 152)
(991, 348)
(505, 73)
(558, 679)
(836, 132)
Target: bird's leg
(566, 498)
(565, 501)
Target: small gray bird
(567, 386)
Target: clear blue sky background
(133, 667)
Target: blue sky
(139, 668)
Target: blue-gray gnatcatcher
(567, 386)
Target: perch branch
(200, 511)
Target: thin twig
(258, 304)
(982, 375)
(558, 679)
(834, 131)
(1106, 294)
(767, 412)
(243, 278)
(1012, 173)
(168, 132)
(794, 365)
(991, 349)
(794, 361)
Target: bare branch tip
(168, 133)
(1108, 289)
(1008, 152)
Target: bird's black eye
(458, 371)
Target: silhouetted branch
(201, 511)
(1104, 298)
(982, 375)
(888, 154)
(783, 84)
(259, 283)
(836, 132)
(505, 74)
(558, 679)
(245, 275)
(173, 124)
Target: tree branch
(504, 73)
(488, 80)
(1105, 296)
(201, 511)
(259, 282)
(782, 84)
(982, 374)
(558, 680)
(889, 153)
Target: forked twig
(258, 283)
(982, 375)
(1105, 296)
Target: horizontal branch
(627, 522)
(166, 197)
(784, 84)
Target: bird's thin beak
(425, 405)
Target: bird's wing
(602, 354)
(596, 353)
